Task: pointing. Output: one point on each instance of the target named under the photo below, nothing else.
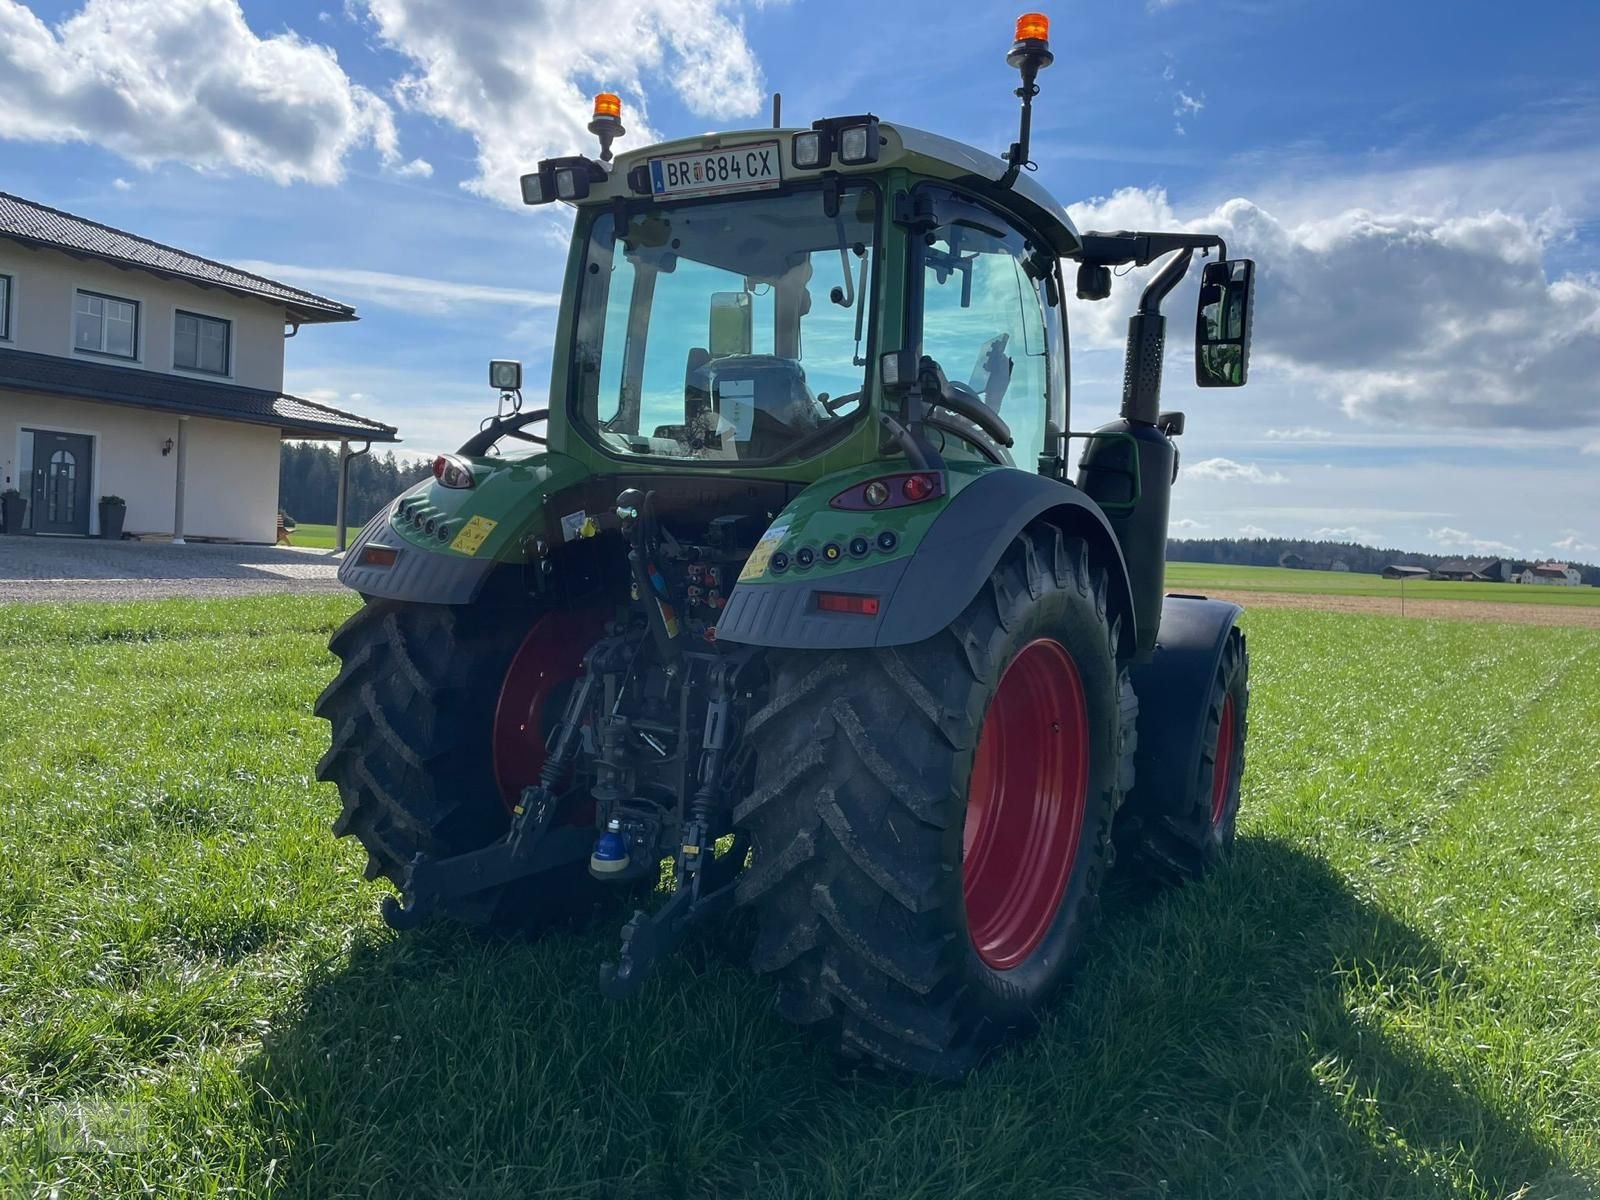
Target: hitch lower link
(465, 885)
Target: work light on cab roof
(787, 591)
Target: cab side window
(983, 318)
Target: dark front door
(60, 500)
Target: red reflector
(848, 602)
(890, 491)
(378, 556)
(452, 471)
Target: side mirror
(1222, 324)
(505, 374)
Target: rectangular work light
(808, 152)
(859, 144)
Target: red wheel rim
(551, 655)
(1025, 804)
(1222, 765)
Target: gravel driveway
(65, 569)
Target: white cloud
(1345, 533)
(1592, 448)
(121, 184)
(1301, 433)
(409, 293)
(519, 78)
(1459, 539)
(187, 81)
(1573, 543)
(1186, 525)
(1188, 103)
(1253, 531)
(1225, 470)
(1400, 318)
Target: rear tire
(1190, 843)
(412, 711)
(865, 760)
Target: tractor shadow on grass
(1237, 1038)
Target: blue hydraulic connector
(610, 850)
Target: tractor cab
(730, 294)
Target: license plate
(707, 172)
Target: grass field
(1220, 577)
(1390, 991)
(321, 537)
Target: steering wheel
(964, 402)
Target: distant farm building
(1487, 570)
(1559, 574)
(1298, 562)
(1398, 571)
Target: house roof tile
(31, 223)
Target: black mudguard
(417, 575)
(1174, 687)
(922, 594)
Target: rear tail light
(891, 491)
(852, 603)
(378, 556)
(452, 471)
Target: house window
(200, 343)
(5, 307)
(105, 325)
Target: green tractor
(793, 604)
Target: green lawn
(1220, 577)
(321, 536)
(1390, 991)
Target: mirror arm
(1141, 249)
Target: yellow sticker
(769, 543)
(472, 534)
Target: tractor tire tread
(853, 834)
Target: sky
(1418, 182)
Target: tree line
(308, 482)
(1302, 552)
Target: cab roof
(903, 147)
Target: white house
(1551, 572)
(133, 369)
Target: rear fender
(1174, 688)
(941, 559)
(446, 542)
